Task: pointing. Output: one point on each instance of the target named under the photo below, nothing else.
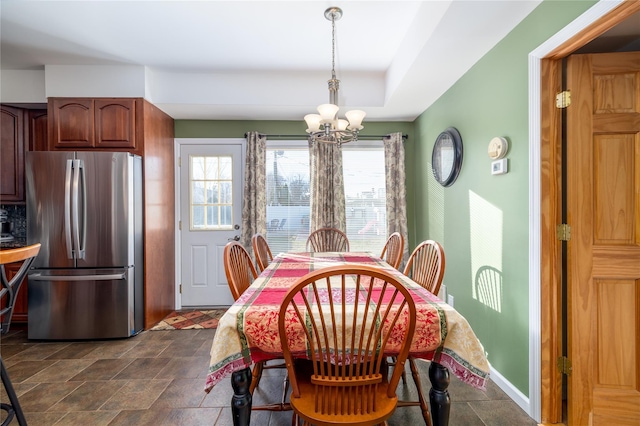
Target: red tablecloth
(248, 331)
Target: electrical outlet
(442, 294)
(450, 300)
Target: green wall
(483, 220)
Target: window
(288, 195)
(365, 195)
(210, 192)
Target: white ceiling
(263, 60)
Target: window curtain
(254, 204)
(395, 189)
(327, 187)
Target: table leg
(439, 395)
(241, 400)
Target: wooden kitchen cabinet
(21, 130)
(12, 154)
(37, 129)
(20, 308)
(100, 123)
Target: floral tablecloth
(248, 331)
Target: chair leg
(285, 389)
(423, 402)
(404, 374)
(256, 374)
(13, 399)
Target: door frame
(178, 142)
(545, 192)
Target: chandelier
(326, 126)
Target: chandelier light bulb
(327, 112)
(313, 122)
(355, 117)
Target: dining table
(248, 332)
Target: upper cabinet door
(71, 123)
(38, 130)
(12, 154)
(115, 123)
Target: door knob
(236, 238)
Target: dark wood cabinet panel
(38, 129)
(11, 154)
(115, 123)
(160, 221)
(71, 123)
(21, 307)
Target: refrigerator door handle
(106, 277)
(75, 208)
(83, 238)
(67, 209)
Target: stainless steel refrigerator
(85, 208)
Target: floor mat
(190, 319)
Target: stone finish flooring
(157, 378)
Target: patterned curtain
(254, 204)
(327, 187)
(395, 188)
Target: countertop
(17, 242)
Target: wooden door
(603, 189)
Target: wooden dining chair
(239, 268)
(241, 272)
(327, 239)
(262, 251)
(426, 267)
(8, 294)
(346, 380)
(393, 250)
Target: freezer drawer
(83, 304)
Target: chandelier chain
(333, 45)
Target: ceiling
(262, 60)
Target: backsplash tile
(17, 214)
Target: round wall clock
(446, 159)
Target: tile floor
(157, 378)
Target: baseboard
(518, 397)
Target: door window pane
(210, 196)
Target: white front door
(211, 215)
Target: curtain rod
(304, 137)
